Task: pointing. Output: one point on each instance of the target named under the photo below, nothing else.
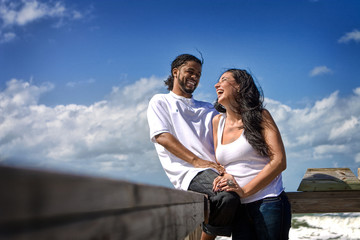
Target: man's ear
(175, 72)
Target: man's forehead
(192, 65)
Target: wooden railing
(48, 205)
(327, 190)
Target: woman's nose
(216, 85)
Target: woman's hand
(227, 183)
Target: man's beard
(186, 89)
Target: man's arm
(173, 145)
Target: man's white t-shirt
(190, 121)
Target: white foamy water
(342, 226)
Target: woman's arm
(215, 124)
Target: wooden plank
(329, 179)
(325, 202)
(38, 194)
(49, 205)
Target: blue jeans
(269, 218)
(223, 205)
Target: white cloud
(328, 149)
(111, 137)
(357, 91)
(329, 122)
(85, 82)
(17, 14)
(7, 37)
(24, 12)
(357, 158)
(77, 15)
(320, 70)
(350, 36)
(344, 129)
(324, 134)
(110, 132)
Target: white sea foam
(342, 226)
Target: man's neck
(182, 94)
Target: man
(181, 129)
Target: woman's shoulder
(217, 118)
(268, 120)
(266, 115)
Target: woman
(248, 144)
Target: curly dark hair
(180, 60)
(249, 104)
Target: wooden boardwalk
(49, 205)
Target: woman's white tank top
(242, 161)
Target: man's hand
(200, 163)
(173, 145)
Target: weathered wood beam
(325, 202)
(49, 205)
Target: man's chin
(190, 90)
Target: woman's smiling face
(226, 88)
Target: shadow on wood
(329, 179)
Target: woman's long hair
(249, 104)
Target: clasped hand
(227, 183)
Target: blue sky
(76, 77)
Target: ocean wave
(341, 226)
(344, 226)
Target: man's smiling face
(186, 78)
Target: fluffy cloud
(7, 37)
(357, 158)
(110, 137)
(323, 135)
(320, 70)
(80, 83)
(332, 121)
(107, 136)
(350, 36)
(24, 12)
(20, 13)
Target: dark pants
(266, 219)
(223, 205)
